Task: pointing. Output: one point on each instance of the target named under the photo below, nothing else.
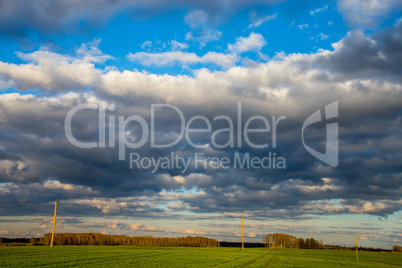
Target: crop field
(126, 256)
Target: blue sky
(276, 58)
(284, 28)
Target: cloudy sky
(218, 62)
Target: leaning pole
(54, 223)
(242, 234)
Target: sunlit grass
(126, 256)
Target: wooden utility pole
(357, 254)
(242, 234)
(54, 223)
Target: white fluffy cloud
(281, 82)
(205, 36)
(366, 13)
(202, 31)
(196, 19)
(53, 71)
(177, 45)
(184, 58)
(254, 42)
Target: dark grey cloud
(357, 53)
(38, 163)
(367, 14)
(49, 16)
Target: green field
(125, 256)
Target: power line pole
(242, 234)
(54, 223)
(357, 254)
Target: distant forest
(277, 240)
(288, 241)
(111, 240)
(101, 239)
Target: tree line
(371, 249)
(101, 239)
(397, 249)
(279, 240)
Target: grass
(124, 256)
